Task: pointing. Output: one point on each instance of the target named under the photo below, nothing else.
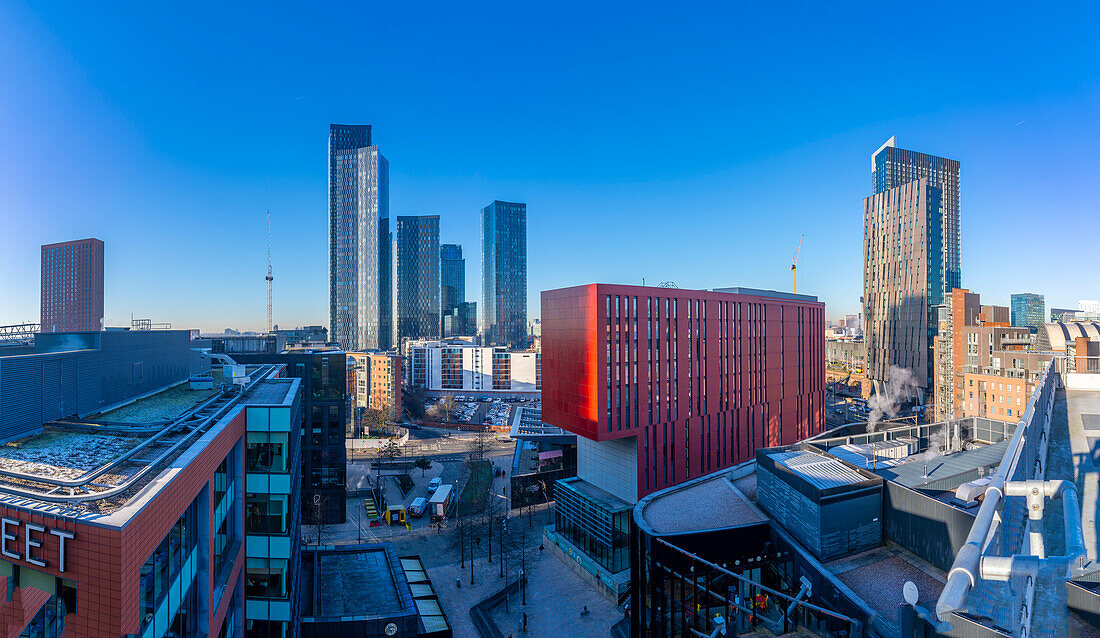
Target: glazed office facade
(504, 274)
(694, 380)
(72, 286)
(360, 262)
(452, 284)
(417, 283)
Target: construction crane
(269, 277)
(794, 263)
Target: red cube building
(692, 380)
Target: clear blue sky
(691, 144)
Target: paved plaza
(555, 599)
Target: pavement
(555, 599)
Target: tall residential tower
(504, 274)
(72, 286)
(417, 278)
(911, 262)
(360, 266)
(452, 280)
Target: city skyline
(175, 183)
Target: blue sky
(692, 144)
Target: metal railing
(995, 547)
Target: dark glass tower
(504, 274)
(360, 271)
(417, 278)
(452, 279)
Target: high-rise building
(892, 167)
(452, 281)
(417, 315)
(1028, 310)
(911, 262)
(360, 262)
(504, 274)
(462, 322)
(72, 286)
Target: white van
(416, 510)
(434, 484)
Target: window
(267, 513)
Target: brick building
(72, 286)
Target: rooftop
(709, 502)
(93, 467)
(820, 470)
(355, 582)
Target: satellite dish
(909, 592)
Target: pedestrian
(525, 621)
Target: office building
(1088, 306)
(975, 345)
(323, 421)
(1063, 314)
(303, 336)
(72, 286)
(663, 385)
(859, 533)
(504, 274)
(166, 492)
(1028, 311)
(417, 281)
(360, 262)
(462, 322)
(452, 282)
(456, 366)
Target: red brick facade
(701, 378)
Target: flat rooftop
(354, 583)
(71, 449)
(160, 407)
(941, 467)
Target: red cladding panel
(701, 378)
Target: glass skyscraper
(452, 279)
(1028, 310)
(360, 270)
(504, 274)
(417, 278)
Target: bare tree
(423, 464)
(490, 519)
(320, 528)
(521, 556)
(479, 445)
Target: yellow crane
(794, 262)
